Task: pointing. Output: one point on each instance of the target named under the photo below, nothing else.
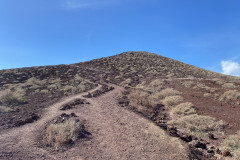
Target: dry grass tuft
(183, 109)
(201, 86)
(58, 135)
(232, 144)
(230, 95)
(172, 100)
(4, 109)
(207, 95)
(156, 85)
(10, 98)
(141, 98)
(228, 85)
(167, 92)
(188, 84)
(197, 125)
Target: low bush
(232, 144)
(156, 84)
(183, 109)
(188, 84)
(228, 85)
(231, 95)
(10, 98)
(4, 109)
(140, 98)
(60, 134)
(201, 86)
(167, 92)
(207, 95)
(171, 100)
(197, 125)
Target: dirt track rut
(116, 132)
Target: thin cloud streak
(83, 4)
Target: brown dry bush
(201, 86)
(4, 109)
(228, 85)
(230, 95)
(188, 84)
(232, 144)
(198, 125)
(10, 98)
(167, 92)
(141, 98)
(183, 109)
(60, 134)
(126, 83)
(171, 100)
(207, 95)
(155, 85)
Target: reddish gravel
(116, 132)
(210, 107)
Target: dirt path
(116, 132)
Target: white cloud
(230, 68)
(81, 4)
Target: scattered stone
(198, 144)
(33, 117)
(172, 131)
(73, 104)
(211, 136)
(226, 153)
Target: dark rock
(172, 131)
(30, 119)
(211, 136)
(198, 144)
(226, 153)
(73, 115)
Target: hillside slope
(198, 106)
(114, 69)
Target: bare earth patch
(116, 132)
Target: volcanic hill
(134, 105)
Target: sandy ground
(116, 132)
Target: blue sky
(204, 33)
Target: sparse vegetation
(228, 86)
(60, 134)
(197, 125)
(231, 95)
(10, 98)
(183, 109)
(171, 100)
(140, 98)
(207, 95)
(232, 144)
(156, 85)
(188, 84)
(127, 69)
(4, 109)
(167, 92)
(201, 86)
